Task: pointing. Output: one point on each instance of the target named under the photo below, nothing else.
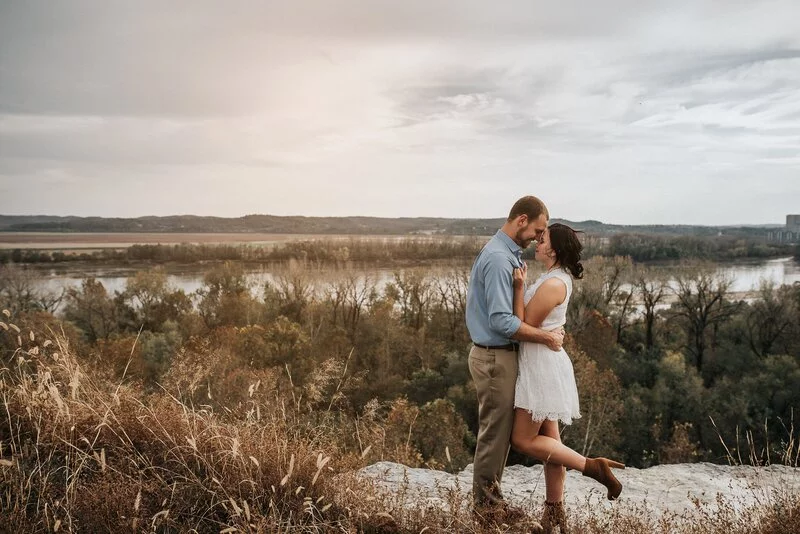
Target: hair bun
(576, 270)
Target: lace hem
(564, 417)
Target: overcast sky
(625, 111)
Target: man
(494, 331)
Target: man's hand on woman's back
(557, 340)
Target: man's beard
(524, 243)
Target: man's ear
(522, 220)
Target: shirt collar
(513, 247)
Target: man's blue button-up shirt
(490, 312)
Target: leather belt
(507, 346)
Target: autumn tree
(413, 292)
(348, 297)
(772, 320)
(21, 291)
(701, 308)
(148, 301)
(652, 287)
(450, 304)
(225, 298)
(604, 290)
(92, 310)
(290, 292)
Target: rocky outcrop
(678, 488)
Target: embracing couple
(523, 378)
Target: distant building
(789, 234)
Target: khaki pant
(495, 375)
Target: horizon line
(741, 225)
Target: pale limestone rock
(665, 488)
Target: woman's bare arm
(549, 295)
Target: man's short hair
(530, 206)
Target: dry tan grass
(82, 455)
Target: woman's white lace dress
(546, 382)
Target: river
(745, 276)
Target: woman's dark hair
(567, 247)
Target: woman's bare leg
(554, 474)
(526, 439)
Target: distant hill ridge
(330, 225)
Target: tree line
(377, 250)
(274, 224)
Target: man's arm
(554, 339)
(498, 285)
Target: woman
(546, 390)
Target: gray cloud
(388, 108)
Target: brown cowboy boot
(554, 516)
(600, 470)
(495, 515)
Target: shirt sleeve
(499, 287)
